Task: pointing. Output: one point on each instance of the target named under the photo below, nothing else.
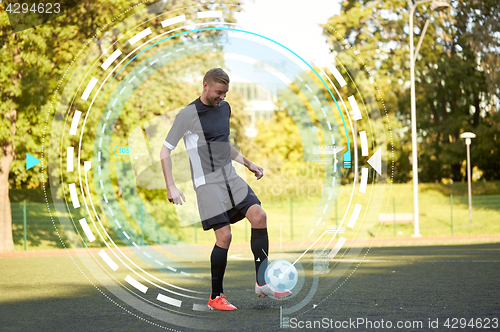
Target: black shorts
(224, 203)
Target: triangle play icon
(31, 161)
(376, 161)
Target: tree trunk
(6, 241)
(477, 111)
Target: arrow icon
(375, 161)
(31, 161)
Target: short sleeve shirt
(205, 130)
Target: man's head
(215, 87)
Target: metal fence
(32, 224)
(479, 201)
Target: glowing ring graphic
(137, 282)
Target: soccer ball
(281, 275)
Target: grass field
(414, 284)
(437, 277)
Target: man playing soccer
(223, 196)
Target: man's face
(215, 92)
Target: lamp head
(439, 5)
(467, 135)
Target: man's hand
(258, 171)
(174, 195)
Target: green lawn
(50, 293)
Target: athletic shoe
(266, 290)
(220, 303)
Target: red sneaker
(220, 303)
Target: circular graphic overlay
(322, 200)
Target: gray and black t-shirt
(205, 130)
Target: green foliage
(38, 64)
(35, 60)
(280, 151)
(273, 147)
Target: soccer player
(223, 197)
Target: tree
(457, 80)
(25, 58)
(34, 62)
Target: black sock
(218, 260)
(259, 242)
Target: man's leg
(259, 241)
(218, 259)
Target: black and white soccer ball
(281, 275)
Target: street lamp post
(468, 136)
(438, 6)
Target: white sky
(294, 23)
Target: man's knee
(226, 238)
(262, 217)
(259, 218)
(223, 237)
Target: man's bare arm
(236, 156)
(174, 194)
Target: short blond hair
(216, 75)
